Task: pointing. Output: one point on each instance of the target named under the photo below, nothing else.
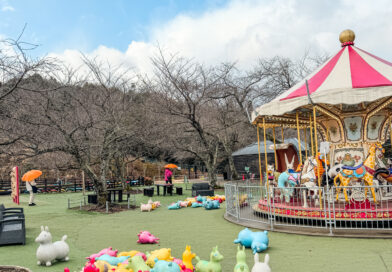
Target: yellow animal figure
(162, 254)
(223, 197)
(122, 268)
(243, 199)
(364, 171)
(191, 199)
(128, 253)
(102, 264)
(187, 257)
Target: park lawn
(90, 232)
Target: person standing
(31, 187)
(168, 176)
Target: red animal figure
(90, 267)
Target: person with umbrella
(29, 177)
(169, 173)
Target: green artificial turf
(88, 233)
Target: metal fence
(312, 207)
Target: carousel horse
(308, 177)
(363, 171)
(272, 174)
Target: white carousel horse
(308, 178)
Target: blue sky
(127, 33)
(85, 24)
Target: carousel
(343, 110)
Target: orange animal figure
(364, 171)
(187, 257)
(319, 169)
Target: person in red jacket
(168, 176)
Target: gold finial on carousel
(347, 37)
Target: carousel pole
(276, 159)
(299, 140)
(315, 148)
(258, 145)
(390, 131)
(265, 156)
(311, 135)
(282, 135)
(306, 144)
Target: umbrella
(171, 165)
(31, 175)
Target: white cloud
(246, 30)
(7, 8)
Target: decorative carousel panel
(353, 126)
(333, 130)
(349, 156)
(373, 126)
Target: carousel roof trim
(252, 149)
(351, 76)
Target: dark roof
(253, 148)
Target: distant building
(249, 156)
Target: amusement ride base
(355, 211)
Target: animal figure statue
(128, 253)
(187, 257)
(257, 241)
(145, 237)
(211, 204)
(136, 263)
(47, 251)
(308, 179)
(174, 206)
(197, 205)
(210, 266)
(90, 267)
(109, 251)
(112, 260)
(241, 265)
(272, 175)
(145, 207)
(261, 267)
(164, 266)
(286, 184)
(363, 171)
(161, 254)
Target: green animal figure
(210, 266)
(241, 265)
(137, 263)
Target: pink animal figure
(145, 207)
(157, 203)
(180, 263)
(90, 267)
(141, 254)
(184, 204)
(107, 251)
(66, 269)
(145, 237)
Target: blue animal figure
(257, 241)
(164, 266)
(286, 183)
(210, 266)
(112, 260)
(174, 206)
(196, 205)
(211, 204)
(200, 198)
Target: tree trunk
(211, 174)
(233, 170)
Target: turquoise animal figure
(210, 266)
(241, 265)
(196, 205)
(174, 206)
(112, 260)
(286, 191)
(211, 204)
(164, 266)
(137, 263)
(258, 241)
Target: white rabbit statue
(261, 267)
(47, 251)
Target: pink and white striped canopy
(351, 76)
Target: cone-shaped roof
(351, 76)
